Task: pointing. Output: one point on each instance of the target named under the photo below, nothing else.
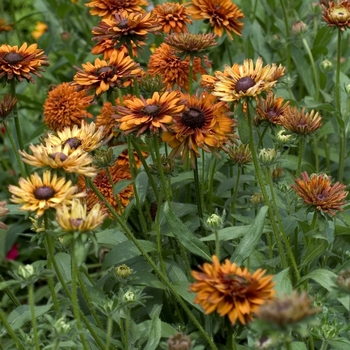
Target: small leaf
(120, 186)
(283, 284)
(142, 186)
(155, 332)
(228, 233)
(314, 250)
(64, 262)
(243, 127)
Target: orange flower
(173, 17)
(5, 27)
(40, 29)
(221, 14)
(6, 106)
(103, 75)
(174, 70)
(108, 8)
(151, 114)
(230, 290)
(21, 62)
(337, 15)
(318, 192)
(65, 107)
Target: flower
(240, 154)
(65, 107)
(12, 254)
(179, 342)
(6, 106)
(21, 62)
(3, 212)
(40, 29)
(5, 27)
(106, 120)
(245, 80)
(86, 137)
(230, 290)
(343, 281)
(270, 109)
(40, 194)
(141, 115)
(108, 8)
(62, 156)
(317, 191)
(337, 14)
(300, 122)
(126, 27)
(173, 17)
(174, 70)
(75, 217)
(221, 14)
(104, 75)
(203, 124)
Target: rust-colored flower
(247, 80)
(317, 191)
(40, 194)
(337, 14)
(174, 71)
(65, 107)
(125, 28)
(40, 29)
(102, 76)
(231, 290)
(6, 106)
(108, 8)
(173, 17)
(270, 109)
(203, 124)
(300, 122)
(221, 14)
(152, 114)
(4, 26)
(21, 63)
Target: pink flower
(12, 253)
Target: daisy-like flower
(221, 14)
(106, 120)
(6, 106)
(337, 15)
(101, 76)
(141, 115)
(38, 194)
(108, 8)
(5, 27)
(85, 137)
(204, 124)
(76, 218)
(40, 29)
(65, 107)
(270, 109)
(300, 122)
(60, 157)
(173, 17)
(21, 63)
(230, 290)
(167, 64)
(318, 192)
(125, 28)
(247, 80)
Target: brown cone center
(271, 113)
(104, 70)
(151, 110)
(13, 57)
(76, 222)
(244, 84)
(123, 24)
(193, 118)
(62, 157)
(44, 193)
(73, 142)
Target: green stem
(217, 244)
(313, 66)
(311, 343)
(254, 9)
(233, 203)
(10, 331)
(127, 329)
(10, 294)
(163, 278)
(32, 312)
(109, 331)
(210, 191)
(324, 345)
(300, 155)
(199, 194)
(282, 2)
(191, 76)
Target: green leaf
(6, 284)
(228, 233)
(121, 185)
(283, 284)
(145, 278)
(182, 288)
(251, 238)
(110, 238)
(298, 345)
(155, 332)
(142, 186)
(341, 344)
(64, 263)
(243, 127)
(184, 236)
(314, 250)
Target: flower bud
(26, 271)
(299, 28)
(129, 296)
(257, 198)
(343, 281)
(326, 65)
(267, 156)
(179, 342)
(123, 271)
(214, 222)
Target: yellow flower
(40, 29)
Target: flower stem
(109, 331)
(32, 312)
(217, 244)
(233, 203)
(10, 331)
(313, 66)
(324, 345)
(300, 156)
(282, 2)
(10, 294)
(199, 194)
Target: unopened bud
(179, 342)
(123, 271)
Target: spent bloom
(337, 15)
(318, 192)
(6, 106)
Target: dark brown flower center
(271, 113)
(123, 24)
(151, 110)
(76, 222)
(193, 118)
(13, 57)
(73, 142)
(244, 84)
(62, 156)
(321, 197)
(44, 193)
(104, 70)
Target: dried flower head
(257, 198)
(152, 114)
(3, 212)
(4, 26)
(102, 76)
(337, 15)
(40, 29)
(318, 192)
(38, 194)
(173, 17)
(179, 342)
(65, 107)
(240, 154)
(221, 14)
(75, 218)
(21, 63)
(108, 8)
(343, 281)
(299, 122)
(6, 106)
(150, 84)
(247, 80)
(203, 124)
(230, 290)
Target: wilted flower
(337, 14)
(179, 342)
(240, 154)
(6, 106)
